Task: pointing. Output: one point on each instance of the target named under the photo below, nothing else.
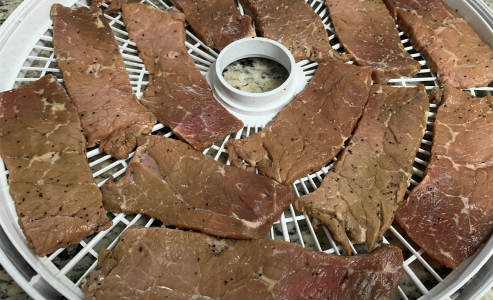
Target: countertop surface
(8, 288)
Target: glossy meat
(450, 45)
(170, 181)
(96, 80)
(294, 24)
(310, 131)
(216, 22)
(178, 94)
(361, 193)
(160, 263)
(41, 143)
(367, 32)
(449, 214)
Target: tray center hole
(255, 74)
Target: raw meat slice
(361, 193)
(450, 45)
(114, 5)
(178, 94)
(41, 143)
(367, 32)
(449, 214)
(160, 263)
(216, 22)
(309, 132)
(294, 24)
(96, 80)
(170, 181)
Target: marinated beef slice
(458, 55)
(41, 143)
(449, 214)
(161, 263)
(178, 94)
(170, 181)
(216, 22)
(113, 5)
(294, 24)
(361, 193)
(96, 80)
(309, 132)
(367, 32)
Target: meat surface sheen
(160, 263)
(96, 80)
(41, 143)
(361, 193)
(458, 55)
(216, 22)
(449, 214)
(178, 94)
(294, 24)
(309, 132)
(367, 32)
(170, 181)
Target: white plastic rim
(256, 108)
(26, 54)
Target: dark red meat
(96, 80)
(160, 263)
(449, 214)
(460, 58)
(178, 94)
(41, 143)
(216, 22)
(359, 196)
(367, 32)
(294, 24)
(170, 181)
(309, 132)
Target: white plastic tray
(26, 54)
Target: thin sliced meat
(367, 32)
(178, 94)
(41, 143)
(216, 22)
(170, 181)
(361, 193)
(449, 214)
(113, 5)
(96, 80)
(309, 132)
(294, 24)
(160, 263)
(458, 55)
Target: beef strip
(113, 5)
(361, 193)
(449, 214)
(159, 263)
(170, 181)
(450, 45)
(294, 24)
(178, 94)
(96, 80)
(367, 32)
(41, 143)
(309, 131)
(216, 22)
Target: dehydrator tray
(26, 54)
